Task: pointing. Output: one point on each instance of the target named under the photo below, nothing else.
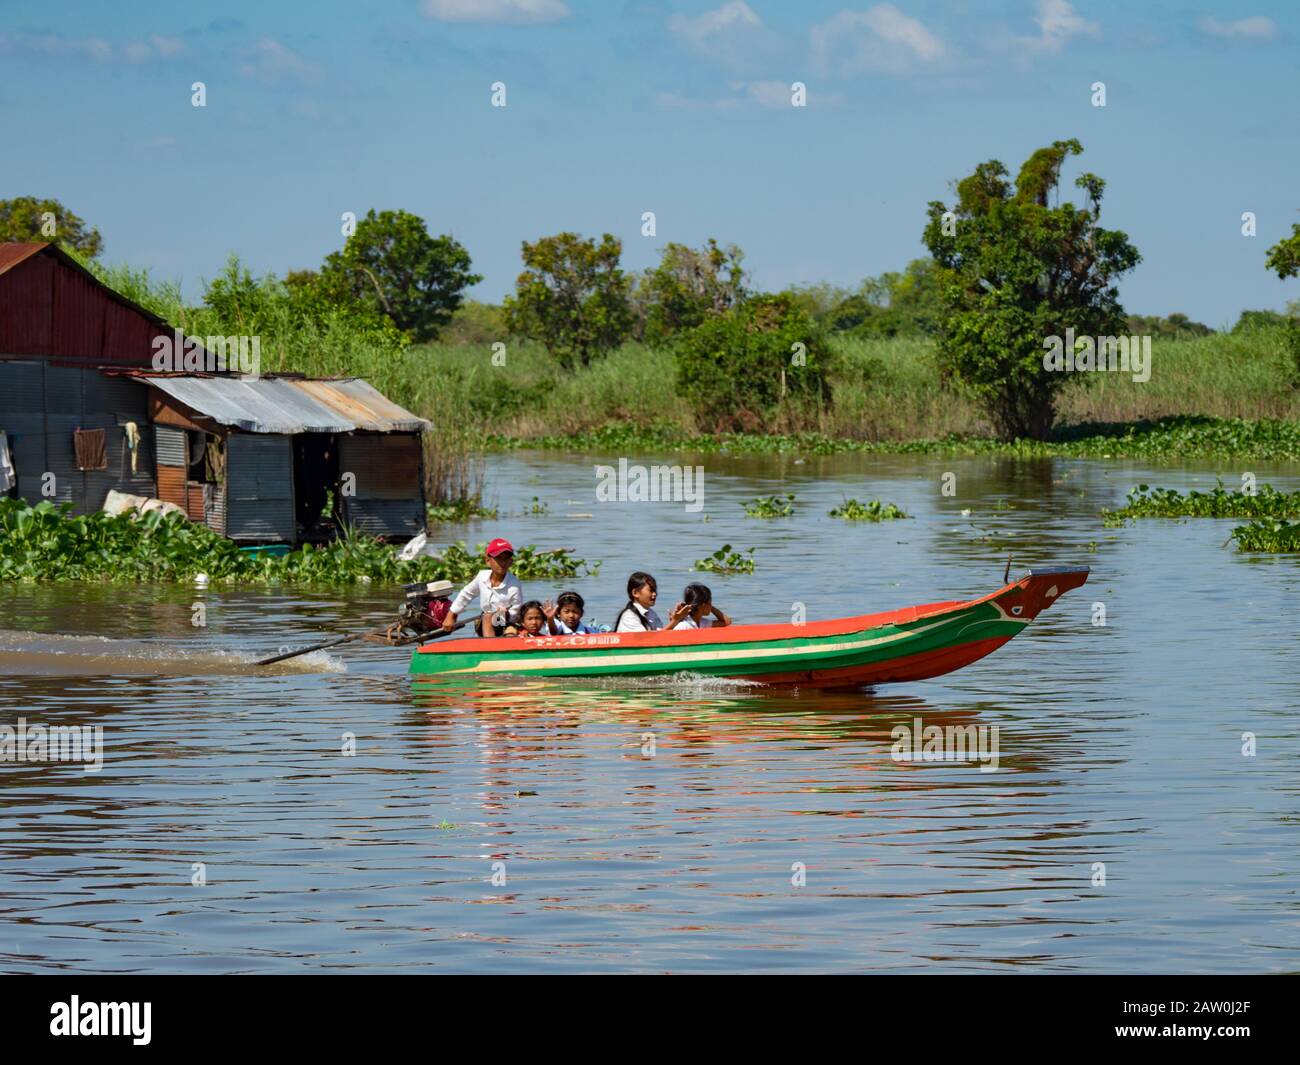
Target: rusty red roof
(13, 254)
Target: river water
(684, 825)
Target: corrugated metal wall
(51, 307)
(214, 507)
(389, 499)
(170, 447)
(27, 307)
(259, 488)
(72, 398)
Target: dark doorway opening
(316, 486)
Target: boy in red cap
(498, 592)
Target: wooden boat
(909, 644)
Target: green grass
(1222, 395)
(1226, 394)
(885, 390)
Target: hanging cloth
(215, 461)
(8, 477)
(132, 443)
(91, 448)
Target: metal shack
(273, 459)
(82, 411)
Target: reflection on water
(337, 814)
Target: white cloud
(167, 46)
(1257, 27)
(495, 10)
(765, 93)
(155, 47)
(62, 46)
(56, 45)
(733, 36)
(880, 38)
(704, 31)
(271, 63)
(1057, 23)
(776, 95)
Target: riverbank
(1176, 437)
(887, 393)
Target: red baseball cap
(499, 547)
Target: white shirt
(583, 628)
(506, 597)
(627, 623)
(690, 623)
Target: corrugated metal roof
(284, 405)
(13, 254)
(361, 402)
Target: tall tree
(572, 296)
(28, 220)
(1017, 271)
(391, 264)
(690, 285)
(1284, 256)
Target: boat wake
(47, 654)
(685, 682)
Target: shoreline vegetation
(1220, 395)
(46, 542)
(686, 357)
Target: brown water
(1119, 744)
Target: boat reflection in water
(526, 720)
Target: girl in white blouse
(639, 615)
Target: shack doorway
(316, 486)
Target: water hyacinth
(725, 560)
(1147, 502)
(47, 543)
(1173, 437)
(1268, 535)
(873, 510)
(770, 507)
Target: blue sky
(683, 109)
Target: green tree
(28, 220)
(572, 297)
(690, 285)
(1176, 327)
(819, 300)
(1016, 272)
(391, 264)
(304, 328)
(1284, 256)
(763, 362)
(909, 303)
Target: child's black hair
(697, 595)
(639, 580)
(565, 598)
(635, 583)
(523, 610)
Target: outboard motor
(426, 606)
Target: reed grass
(885, 390)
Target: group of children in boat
(505, 613)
